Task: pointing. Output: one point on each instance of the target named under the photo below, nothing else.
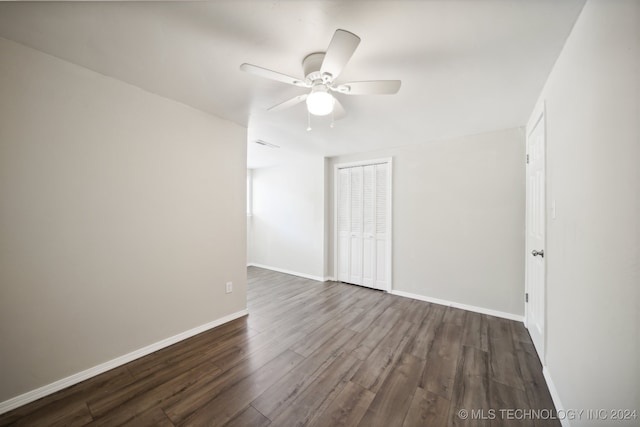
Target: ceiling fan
(321, 69)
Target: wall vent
(266, 144)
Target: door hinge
(526, 297)
(527, 159)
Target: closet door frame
(389, 222)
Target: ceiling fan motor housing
(311, 65)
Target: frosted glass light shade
(320, 101)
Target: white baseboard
(293, 273)
(43, 391)
(473, 308)
(555, 396)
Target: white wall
(458, 219)
(593, 246)
(122, 215)
(287, 227)
(249, 215)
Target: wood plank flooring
(319, 354)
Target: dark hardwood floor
(321, 354)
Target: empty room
(320, 213)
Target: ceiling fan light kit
(321, 69)
(320, 102)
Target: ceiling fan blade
(273, 75)
(374, 87)
(289, 103)
(338, 110)
(340, 50)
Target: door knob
(536, 253)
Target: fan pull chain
(332, 119)
(308, 121)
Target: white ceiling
(466, 66)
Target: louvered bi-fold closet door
(356, 259)
(382, 236)
(362, 235)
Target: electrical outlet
(229, 287)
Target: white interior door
(535, 234)
(368, 225)
(382, 224)
(363, 229)
(356, 248)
